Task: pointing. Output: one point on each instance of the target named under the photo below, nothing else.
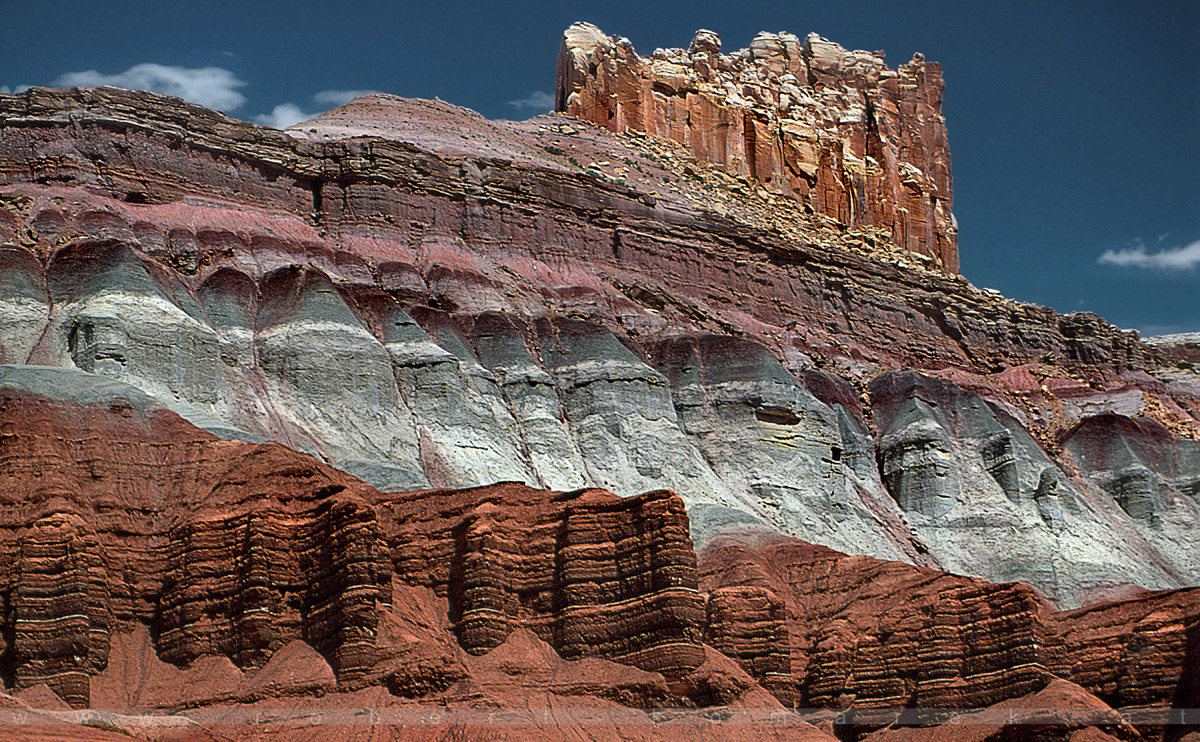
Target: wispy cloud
(288, 114)
(213, 87)
(339, 97)
(539, 101)
(283, 116)
(6, 90)
(1177, 258)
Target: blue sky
(1074, 125)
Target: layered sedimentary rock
(423, 298)
(121, 513)
(150, 564)
(519, 218)
(749, 624)
(872, 634)
(588, 573)
(338, 414)
(837, 130)
(965, 471)
(1153, 476)
(886, 634)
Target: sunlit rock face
(835, 129)
(114, 318)
(778, 449)
(149, 564)
(963, 472)
(918, 464)
(327, 373)
(622, 416)
(24, 304)
(883, 631)
(525, 391)
(324, 415)
(465, 429)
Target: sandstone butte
(666, 416)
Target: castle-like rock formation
(837, 130)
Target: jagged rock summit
(403, 408)
(837, 130)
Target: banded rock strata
(422, 309)
(235, 572)
(119, 513)
(876, 634)
(414, 346)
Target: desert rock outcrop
(461, 302)
(236, 572)
(838, 130)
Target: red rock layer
(121, 515)
(750, 625)
(124, 514)
(243, 584)
(1142, 651)
(837, 130)
(58, 606)
(115, 514)
(589, 573)
(885, 634)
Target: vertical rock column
(593, 575)
(58, 615)
(749, 624)
(348, 574)
(626, 576)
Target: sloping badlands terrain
(667, 415)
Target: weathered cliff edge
(837, 130)
(150, 565)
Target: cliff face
(890, 635)
(452, 302)
(338, 411)
(148, 564)
(837, 130)
(119, 514)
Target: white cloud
(339, 97)
(1178, 258)
(283, 116)
(287, 114)
(212, 87)
(538, 101)
(6, 90)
